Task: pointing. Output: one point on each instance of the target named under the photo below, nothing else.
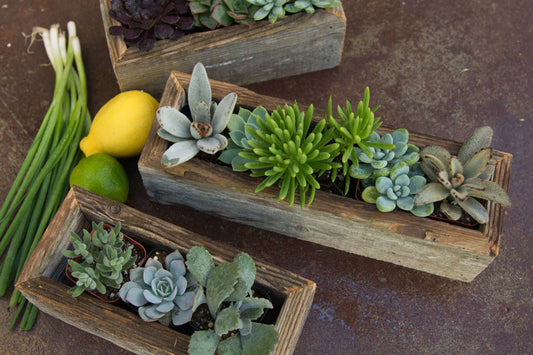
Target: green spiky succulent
(239, 136)
(355, 130)
(398, 190)
(459, 181)
(283, 150)
(370, 168)
(214, 13)
(310, 6)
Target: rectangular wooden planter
(335, 221)
(291, 294)
(238, 54)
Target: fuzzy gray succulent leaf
(480, 139)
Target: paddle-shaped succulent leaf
(459, 181)
(203, 133)
(398, 190)
(288, 151)
(354, 129)
(163, 294)
(215, 13)
(228, 294)
(271, 9)
(310, 6)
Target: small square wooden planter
(291, 294)
(335, 221)
(238, 54)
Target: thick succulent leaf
(169, 137)
(148, 274)
(230, 346)
(200, 130)
(400, 136)
(126, 288)
(384, 204)
(200, 264)
(477, 164)
(163, 30)
(437, 156)
(203, 342)
(431, 192)
(175, 255)
(223, 113)
(455, 166)
(453, 212)
(423, 210)
(492, 192)
(370, 194)
(410, 158)
(444, 178)
(180, 285)
(220, 15)
(180, 317)
(228, 155)
(199, 87)
(416, 183)
(135, 297)
(237, 122)
(402, 180)
(480, 139)
(475, 209)
(253, 307)
(247, 269)
(165, 307)
(186, 300)
(211, 145)
(400, 168)
(238, 163)
(173, 121)
(362, 172)
(227, 320)
(261, 339)
(405, 203)
(220, 285)
(149, 314)
(176, 267)
(136, 274)
(487, 174)
(151, 297)
(379, 164)
(201, 113)
(383, 183)
(179, 153)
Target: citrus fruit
(121, 126)
(102, 174)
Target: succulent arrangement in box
(100, 261)
(217, 300)
(142, 23)
(287, 149)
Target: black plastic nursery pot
(332, 220)
(291, 294)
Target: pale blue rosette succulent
(398, 190)
(163, 294)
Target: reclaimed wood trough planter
(290, 294)
(335, 221)
(238, 54)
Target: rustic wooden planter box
(335, 221)
(238, 54)
(291, 295)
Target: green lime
(102, 174)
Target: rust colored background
(440, 67)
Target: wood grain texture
(335, 221)
(125, 328)
(241, 54)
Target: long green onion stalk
(42, 181)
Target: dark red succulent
(145, 21)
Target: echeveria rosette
(398, 190)
(162, 294)
(383, 160)
(273, 9)
(208, 122)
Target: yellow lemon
(101, 174)
(121, 126)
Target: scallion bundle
(42, 181)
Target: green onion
(42, 181)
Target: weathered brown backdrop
(439, 67)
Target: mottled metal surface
(439, 67)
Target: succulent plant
(238, 136)
(355, 129)
(271, 9)
(228, 294)
(310, 5)
(459, 181)
(163, 294)
(398, 190)
(208, 122)
(104, 259)
(283, 150)
(214, 13)
(383, 160)
(145, 22)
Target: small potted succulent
(140, 33)
(101, 260)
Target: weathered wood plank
(335, 221)
(241, 54)
(79, 208)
